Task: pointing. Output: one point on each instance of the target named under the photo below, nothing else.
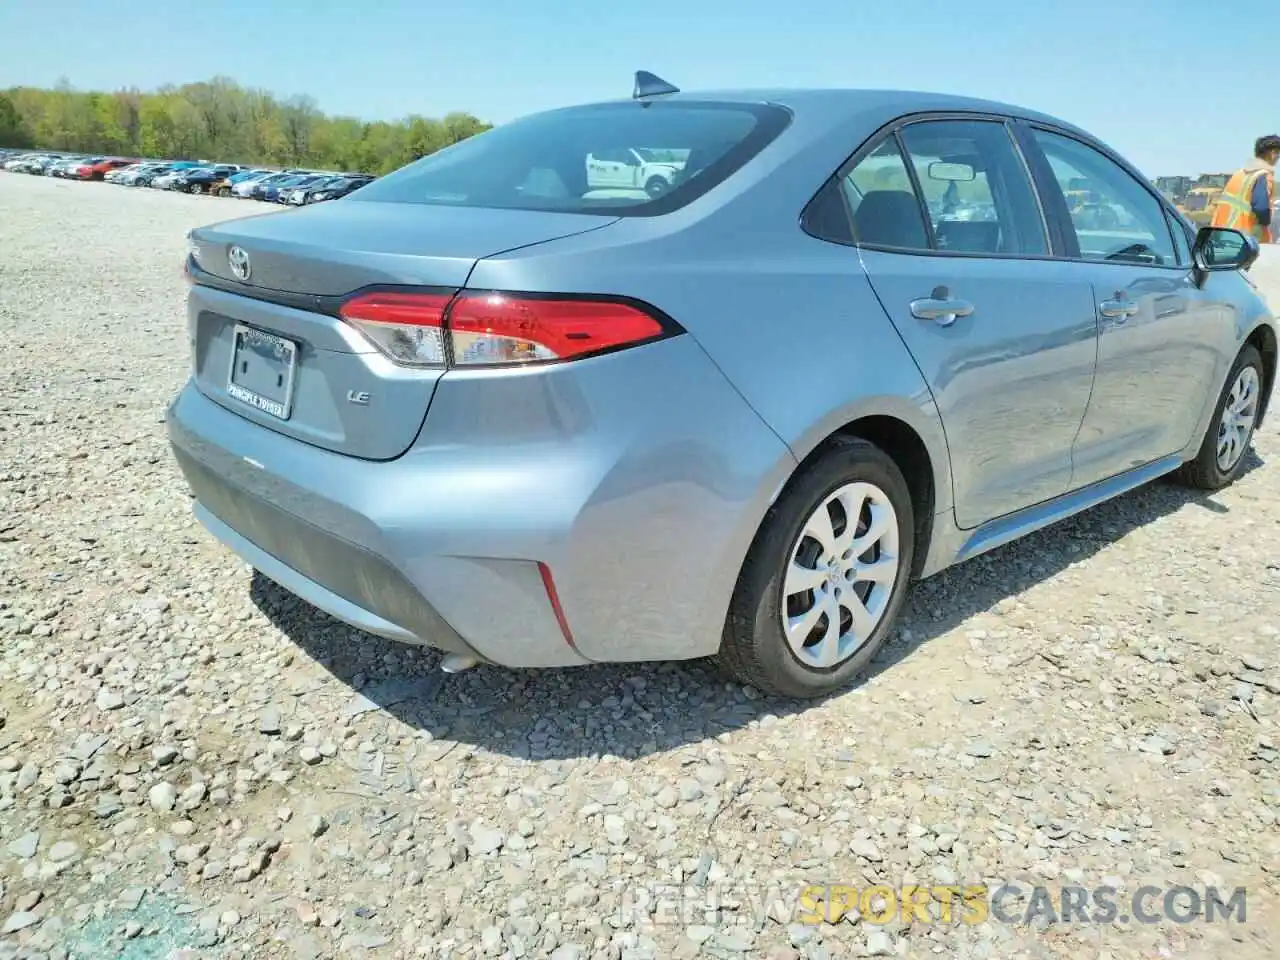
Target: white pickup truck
(631, 169)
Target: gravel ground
(192, 764)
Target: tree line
(222, 121)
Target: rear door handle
(941, 308)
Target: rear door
(955, 245)
(1161, 338)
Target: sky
(1173, 85)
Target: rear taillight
(407, 327)
(500, 328)
(497, 329)
(191, 259)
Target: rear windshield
(622, 159)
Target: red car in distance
(98, 170)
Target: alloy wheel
(1238, 418)
(840, 575)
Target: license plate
(262, 369)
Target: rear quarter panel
(628, 474)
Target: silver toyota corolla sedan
(515, 402)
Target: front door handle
(941, 308)
(1118, 309)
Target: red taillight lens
(479, 329)
(499, 328)
(407, 327)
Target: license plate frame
(286, 350)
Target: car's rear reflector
(553, 597)
(499, 329)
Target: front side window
(1116, 219)
(619, 159)
(1182, 240)
(976, 188)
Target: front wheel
(1222, 452)
(825, 578)
(195, 188)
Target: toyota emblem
(239, 263)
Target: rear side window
(882, 201)
(619, 159)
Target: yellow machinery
(1200, 199)
(1079, 194)
(1087, 206)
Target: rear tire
(1226, 443)
(790, 573)
(196, 189)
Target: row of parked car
(295, 186)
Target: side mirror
(1217, 249)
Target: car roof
(840, 104)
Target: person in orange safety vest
(1246, 202)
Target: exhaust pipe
(456, 663)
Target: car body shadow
(637, 709)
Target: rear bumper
(304, 526)
(637, 480)
(314, 593)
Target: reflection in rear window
(621, 159)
